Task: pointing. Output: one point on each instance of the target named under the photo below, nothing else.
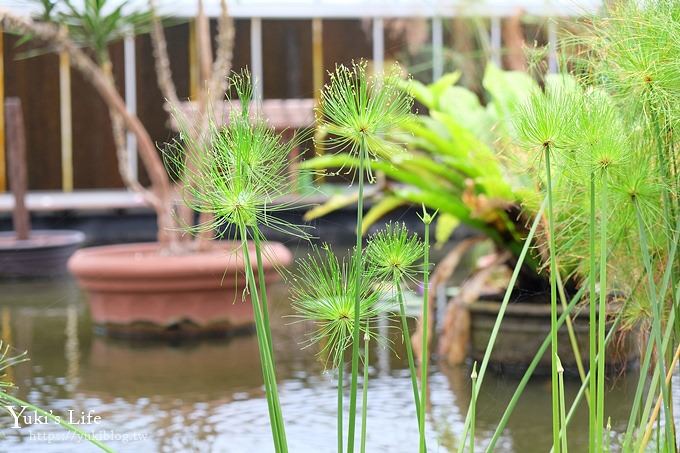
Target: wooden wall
(287, 60)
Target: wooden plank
(16, 153)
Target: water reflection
(208, 396)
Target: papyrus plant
(355, 112)
(235, 173)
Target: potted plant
(25, 252)
(178, 284)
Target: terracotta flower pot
(525, 326)
(44, 254)
(134, 290)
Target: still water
(208, 396)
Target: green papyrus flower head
(357, 109)
(237, 172)
(324, 292)
(394, 254)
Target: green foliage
(96, 23)
(446, 159)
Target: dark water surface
(208, 396)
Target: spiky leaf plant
(242, 174)
(324, 291)
(354, 112)
(358, 109)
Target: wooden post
(16, 153)
(317, 74)
(65, 122)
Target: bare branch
(224, 55)
(162, 63)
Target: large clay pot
(44, 254)
(135, 290)
(526, 325)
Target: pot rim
(64, 238)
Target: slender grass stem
(553, 303)
(340, 407)
(59, 420)
(268, 371)
(263, 290)
(633, 418)
(592, 324)
(657, 408)
(265, 317)
(656, 318)
(652, 392)
(364, 396)
(499, 318)
(409, 349)
(572, 333)
(425, 354)
(528, 373)
(584, 384)
(601, 316)
(355, 327)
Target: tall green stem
(268, 372)
(263, 291)
(582, 389)
(499, 318)
(265, 318)
(364, 396)
(409, 349)
(563, 416)
(656, 319)
(601, 316)
(632, 420)
(425, 354)
(473, 407)
(528, 373)
(553, 305)
(592, 325)
(357, 302)
(340, 407)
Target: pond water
(208, 396)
